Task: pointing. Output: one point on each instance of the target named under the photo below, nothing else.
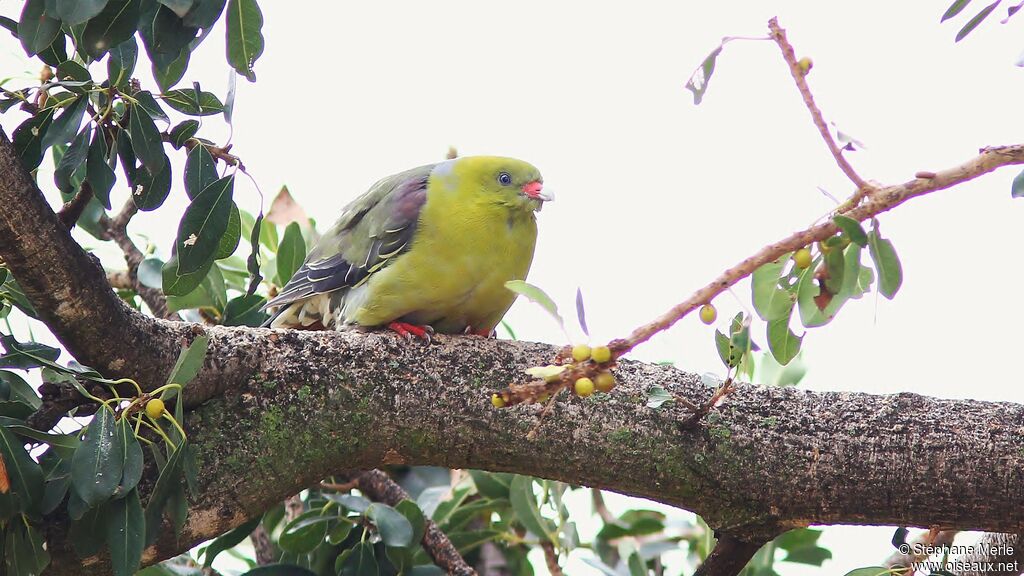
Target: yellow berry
(601, 354)
(708, 313)
(824, 248)
(155, 408)
(497, 401)
(584, 386)
(802, 258)
(580, 352)
(604, 381)
(805, 65)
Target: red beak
(535, 190)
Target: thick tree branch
(728, 557)
(766, 460)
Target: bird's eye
(505, 179)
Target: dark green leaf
(698, 82)
(852, 229)
(361, 560)
(1017, 189)
(169, 480)
(815, 556)
(414, 515)
(974, 22)
(58, 481)
(125, 530)
(26, 355)
(74, 77)
(171, 74)
(97, 171)
(244, 38)
(23, 551)
(232, 235)
(887, 263)
(114, 30)
(149, 104)
(204, 13)
(179, 7)
(146, 140)
(782, 342)
(183, 286)
(149, 191)
(870, 571)
(524, 504)
(954, 9)
(163, 33)
(899, 537)
(229, 540)
(65, 126)
(253, 262)
(129, 451)
(72, 159)
(96, 469)
(28, 136)
(307, 531)
(24, 473)
(291, 252)
(835, 266)
(56, 53)
(280, 570)
(636, 565)
(395, 530)
(187, 102)
(854, 280)
(200, 171)
(10, 25)
(35, 29)
(203, 225)
(771, 301)
(339, 532)
(181, 133)
(351, 502)
(89, 529)
(189, 363)
(633, 523)
(245, 311)
(77, 11)
(491, 484)
(66, 443)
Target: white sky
(655, 195)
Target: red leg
(408, 331)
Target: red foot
(408, 331)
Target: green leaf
(189, 363)
(771, 301)
(395, 530)
(182, 133)
(25, 355)
(361, 560)
(74, 76)
(782, 342)
(28, 136)
(98, 173)
(96, 469)
(194, 290)
(187, 102)
(88, 530)
(125, 530)
(245, 311)
(72, 159)
(200, 171)
(339, 532)
(244, 38)
(536, 295)
(524, 504)
(171, 74)
(232, 235)
(129, 451)
(955, 8)
(633, 523)
(151, 106)
(164, 35)
(24, 474)
(57, 473)
(229, 540)
(493, 485)
(636, 564)
(976, 20)
(306, 532)
(146, 140)
(835, 266)
(852, 229)
(204, 13)
(698, 82)
(203, 225)
(179, 7)
(657, 396)
(114, 30)
(1017, 189)
(887, 263)
(870, 571)
(149, 190)
(65, 126)
(280, 570)
(253, 262)
(23, 550)
(854, 280)
(169, 480)
(77, 11)
(35, 29)
(291, 252)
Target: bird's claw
(410, 331)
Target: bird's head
(507, 181)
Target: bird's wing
(372, 231)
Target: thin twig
(345, 487)
(266, 552)
(222, 153)
(799, 76)
(601, 508)
(116, 230)
(551, 558)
